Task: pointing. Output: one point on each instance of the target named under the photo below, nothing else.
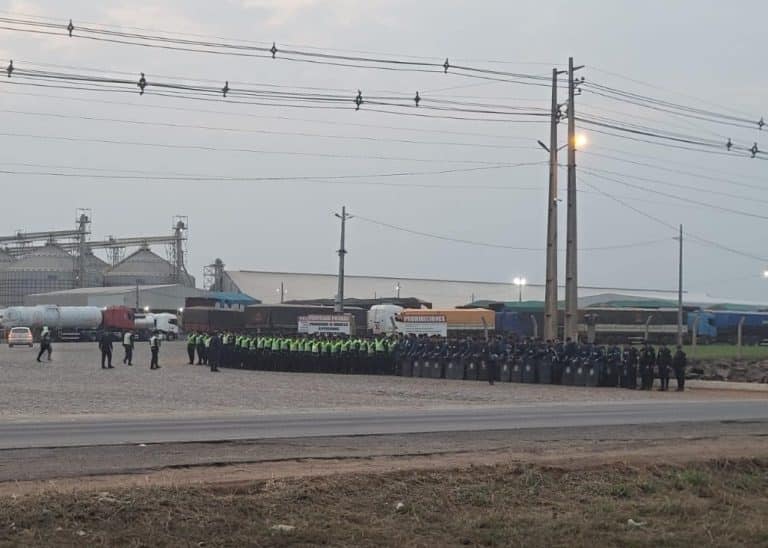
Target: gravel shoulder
(73, 384)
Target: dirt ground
(73, 384)
(539, 487)
(720, 503)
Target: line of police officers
(388, 355)
(297, 353)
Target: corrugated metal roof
(441, 293)
(114, 290)
(50, 257)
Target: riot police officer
(664, 361)
(679, 361)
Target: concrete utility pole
(82, 228)
(571, 253)
(550, 291)
(680, 291)
(339, 308)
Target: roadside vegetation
(720, 503)
(726, 352)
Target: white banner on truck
(335, 325)
(423, 325)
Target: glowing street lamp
(520, 283)
(765, 273)
(581, 140)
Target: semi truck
(69, 323)
(163, 322)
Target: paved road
(112, 431)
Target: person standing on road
(191, 344)
(154, 347)
(214, 352)
(45, 344)
(128, 347)
(664, 361)
(105, 345)
(678, 364)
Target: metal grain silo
(49, 268)
(95, 269)
(6, 260)
(144, 268)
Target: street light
(765, 273)
(520, 283)
(580, 141)
(146, 309)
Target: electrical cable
(492, 245)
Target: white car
(20, 336)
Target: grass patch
(482, 506)
(726, 352)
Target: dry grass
(720, 503)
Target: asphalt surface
(149, 430)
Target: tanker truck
(165, 323)
(69, 323)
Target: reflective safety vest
(284, 344)
(191, 340)
(371, 348)
(316, 347)
(294, 346)
(344, 347)
(275, 344)
(207, 342)
(260, 342)
(379, 345)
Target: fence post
(738, 337)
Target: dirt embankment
(729, 370)
(719, 503)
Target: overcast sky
(703, 53)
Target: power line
(701, 240)
(679, 198)
(259, 116)
(661, 88)
(347, 179)
(497, 246)
(258, 131)
(670, 170)
(102, 34)
(697, 189)
(208, 148)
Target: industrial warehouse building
(157, 298)
(266, 286)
